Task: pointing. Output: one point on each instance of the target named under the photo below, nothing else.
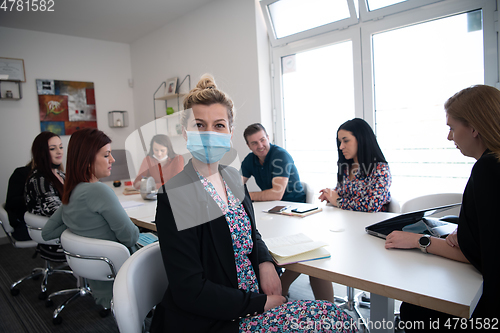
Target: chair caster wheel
(43, 295)
(104, 313)
(57, 320)
(15, 291)
(49, 303)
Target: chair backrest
(35, 225)
(8, 229)
(310, 196)
(139, 286)
(433, 200)
(92, 258)
(394, 206)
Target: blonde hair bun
(207, 81)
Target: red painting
(71, 127)
(53, 107)
(66, 106)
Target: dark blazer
(478, 230)
(203, 294)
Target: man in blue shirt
(273, 168)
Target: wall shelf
(20, 91)
(169, 97)
(175, 117)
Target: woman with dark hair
(363, 174)
(91, 208)
(44, 187)
(162, 163)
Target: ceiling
(122, 21)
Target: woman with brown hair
(220, 273)
(91, 208)
(473, 116)
(162, 163)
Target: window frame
(337, 25)
(361, 37)
(423, 15)
(377, 14)
(308, 45)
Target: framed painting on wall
(66, 106)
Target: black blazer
(203, 294)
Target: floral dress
(297, 316)
(366, 194)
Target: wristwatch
(424, 242)
(338, 201)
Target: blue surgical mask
(208, 147)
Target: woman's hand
(452, 239)
(402, 240)
(270, 282)
(329, 195)
(274, 301)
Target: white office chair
(35, 224)
(433, 200)
(139, 286)
(310, 195)
(8, 229)
(394, 206)
(89, 258)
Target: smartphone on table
(302, 210)
(277, 209)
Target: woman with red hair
(89, 207)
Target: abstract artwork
(66, 106)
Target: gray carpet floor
(26, 313)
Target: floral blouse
(366, 194)
(241, 234)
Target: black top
(479, 229)
(14, 203)
(203, 294)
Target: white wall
(225, 38)
(52, 56)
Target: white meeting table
(361, 261)
(141, 212)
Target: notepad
(146, 238)
(130, 204)
(296, 248)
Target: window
(311, 102)
(292, 20)
(402, 68)
(432, 61)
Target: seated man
(273, 168)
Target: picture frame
(171, 87)
(12, 69)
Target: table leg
(381, 314)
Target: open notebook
(295, 248)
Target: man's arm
(272, 194)
(244, 179)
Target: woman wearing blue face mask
(221, 276)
